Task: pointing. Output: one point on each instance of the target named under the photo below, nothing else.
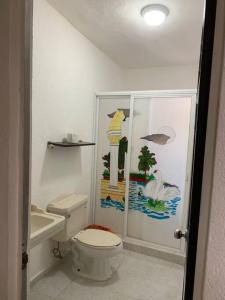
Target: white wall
(159, 78)
(67, 70)
(215, 264)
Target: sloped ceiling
(117, 28)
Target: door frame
(27, 143)
(205, 79)
(210, 70)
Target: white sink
(44, 225)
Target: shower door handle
(178, 234)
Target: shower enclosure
(143, 165)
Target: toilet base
(96, 267)
(95, 270)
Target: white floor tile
(140, 277)
(53, 283)
(38, 296)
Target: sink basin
(43, 226)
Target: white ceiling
(116, 27)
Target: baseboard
(144, 248)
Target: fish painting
(126, 112)
(157, 138)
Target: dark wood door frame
(203, 117)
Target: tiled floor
(139, 277)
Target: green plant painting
(157, 205)
(121, 160)
(122, 152)
(106, 159)
(146, 160)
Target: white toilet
(95, 252)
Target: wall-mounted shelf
(52, 145)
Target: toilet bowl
(94, 251)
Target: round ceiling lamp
(154, 14)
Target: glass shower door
(111, 160)
(160, 164)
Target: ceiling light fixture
(154, 14)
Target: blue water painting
(106, 203)
(138, 202)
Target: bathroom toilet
(94, 251)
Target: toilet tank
(74, 209)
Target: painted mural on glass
(148, 192)
(113, 181)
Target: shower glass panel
(159, 182)
(111, 159)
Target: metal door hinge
(24, 260)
